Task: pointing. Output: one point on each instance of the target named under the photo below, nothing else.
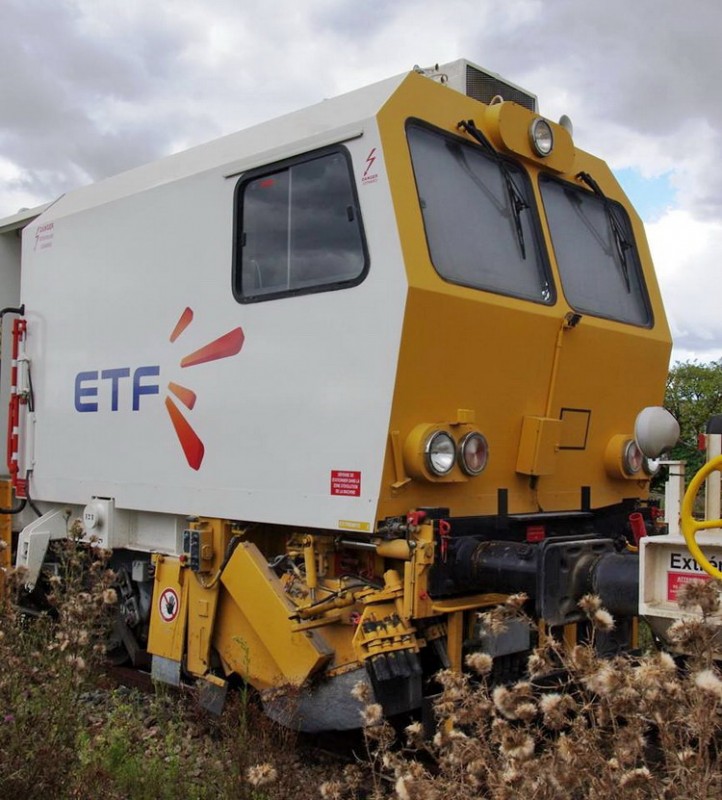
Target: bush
(64, 733)
(48, 659)
(581, 727)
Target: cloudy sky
(92, 87)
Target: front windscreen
(479, 217)
(595, 250)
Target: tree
(693, 395)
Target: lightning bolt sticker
(370, 176)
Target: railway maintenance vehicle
(331, 387)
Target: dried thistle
(541, 662)
(555, 709)
(635, 778)
(702, 593)
(331, 790)
(602, 620)
(110, 597)
(261, 774)
(497, 620)
(590, 603)
(362, 692)
(517, 745)
(603, 681)
(372, 714)
(481, 663)
(693, 635)
(414, 734)
(708, 681)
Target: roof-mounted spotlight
(541, 137)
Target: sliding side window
(298, 229)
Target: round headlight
(542, 138)
(632, 458)
(440, 453)
(473, 453)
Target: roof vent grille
(472, 80)
(485, 86)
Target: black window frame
(268, 170)
(634, 259)
(540, 243)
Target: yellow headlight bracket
(414, 452)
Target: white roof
(325, 123)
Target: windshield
(478, 215)
(595, 250)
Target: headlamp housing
(440, 451)
(541, 137)
(473, 453)
(632, 458)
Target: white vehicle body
(108, 272)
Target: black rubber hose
(17, 509)
(13, 310)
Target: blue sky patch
(650, 196)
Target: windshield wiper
(622, 243)
(516, 198)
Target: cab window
(596, 253)
(298, 229)
(479, 215)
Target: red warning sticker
(168, 605)
(676, 580)
(345, 483)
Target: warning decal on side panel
(676, 580)
(169, 605)
(370, 175)
(345, 483)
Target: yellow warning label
(351, 525)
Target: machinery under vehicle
(331, 386)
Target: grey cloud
(650, 67)
(57, 123)
(88, 101)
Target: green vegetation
(66, 732)
(693, 395)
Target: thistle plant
(579, 727)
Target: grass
(64, 734)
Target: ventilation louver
(472, 80)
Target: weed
(622, 727)
(580, 727)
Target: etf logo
(86, 386)
(145, 381)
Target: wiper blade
(516, 198)
(518, 204)
(620, 240)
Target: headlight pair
(625, 459)
(442, 452)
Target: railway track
(340, 747)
